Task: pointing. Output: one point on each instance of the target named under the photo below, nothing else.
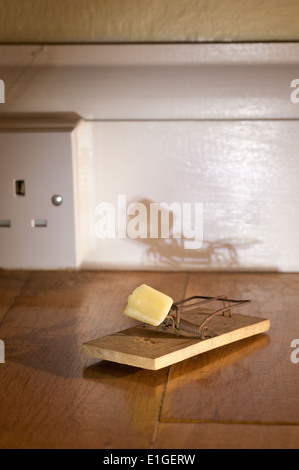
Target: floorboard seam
(160, 410)
(159, 420)
(16, 297)
(225, 421)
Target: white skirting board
(209, 124)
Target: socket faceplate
(35, 164)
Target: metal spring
(189, 327)
(199, 330)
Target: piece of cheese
(148, 305)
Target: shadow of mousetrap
(188, 329)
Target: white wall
(210, 124)
(245, 173)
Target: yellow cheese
(148, 305)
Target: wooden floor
(243, 395)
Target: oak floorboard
(11, 283)
(243, 395)
(54, 397)
(250, 386)
(179, 435)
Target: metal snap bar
(175, 323)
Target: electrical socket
(39, 217)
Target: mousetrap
(188, 329)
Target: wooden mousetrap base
(146, 347)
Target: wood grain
(54, 397)
(143, 346)
(187, 435)
(243, 395)
(11, 284)
(259, 388)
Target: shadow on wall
(174, 252)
